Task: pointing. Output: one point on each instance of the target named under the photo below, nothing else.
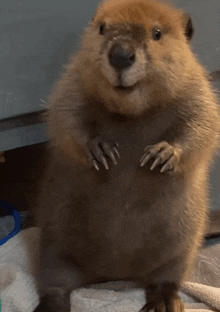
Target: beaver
(134, 130)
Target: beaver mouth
(123, 88)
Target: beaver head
(135, 53)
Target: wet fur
(128, 222)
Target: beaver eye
(101, 29)
(156, 34)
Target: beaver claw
(164, 153)
(100, 150)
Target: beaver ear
(189, 30)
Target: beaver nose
(121, 56)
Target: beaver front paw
(164, 153)
(100, 150)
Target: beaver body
(134, 127)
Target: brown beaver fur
(134, 127)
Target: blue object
(10, 210)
